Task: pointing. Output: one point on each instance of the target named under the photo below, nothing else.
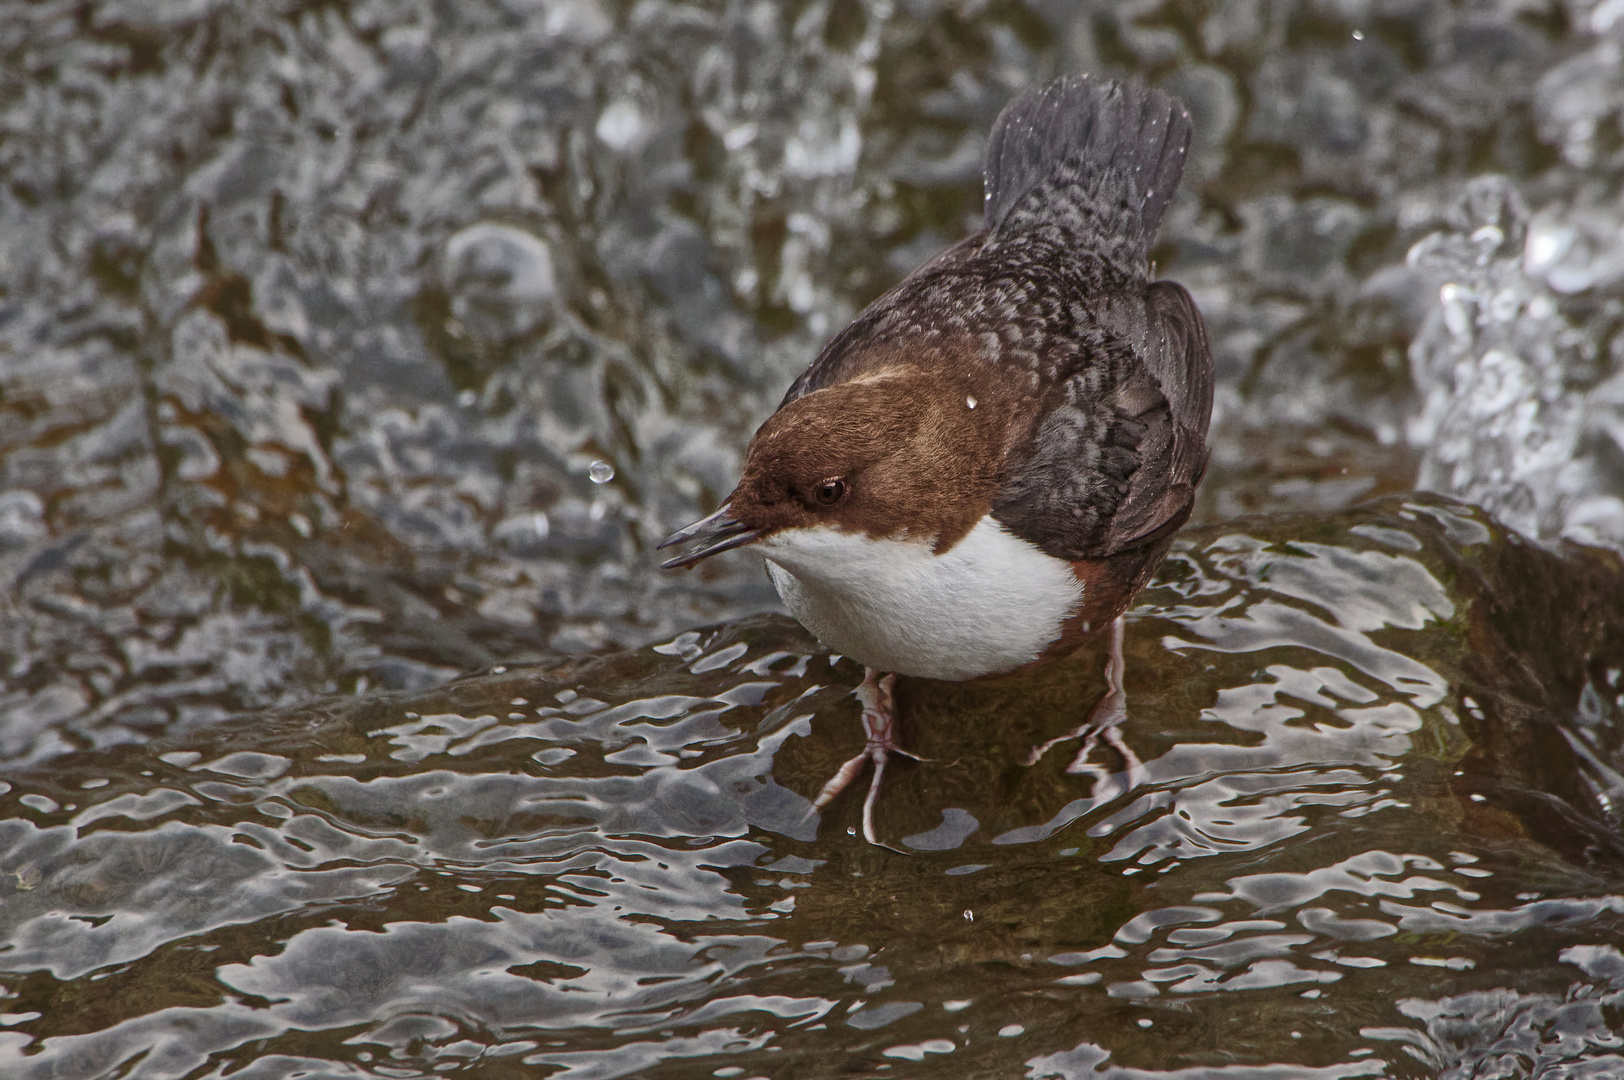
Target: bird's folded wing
(1116, 460)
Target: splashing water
(1523, 411)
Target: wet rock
(1378, 816)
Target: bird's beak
(719, 532)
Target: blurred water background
(346, 347)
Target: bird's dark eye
(830, 492)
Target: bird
(979, 473)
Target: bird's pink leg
(879, 729)
(1103, 720)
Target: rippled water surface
(346, 348)
(1342, 856)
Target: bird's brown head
(895, 453)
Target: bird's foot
(879, 730)
(1103, 722)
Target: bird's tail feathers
(1082, 149)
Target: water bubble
(1546, 244)
(600, 472)
(621, 126)
(501, 281)
(1488, 236)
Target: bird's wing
(1176, 351)
(1115, 459)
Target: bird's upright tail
(1090, 162)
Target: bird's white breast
(991, 603)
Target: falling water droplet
(1358, 35)
(970, 401)
(601, 472)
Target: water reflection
(1508, 1032)
(607, 868)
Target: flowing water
(347, 347)
(1363, 842)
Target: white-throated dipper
(981, 471)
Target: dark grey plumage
(1093, 162)
(1054, 294)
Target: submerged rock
(1378, 824)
